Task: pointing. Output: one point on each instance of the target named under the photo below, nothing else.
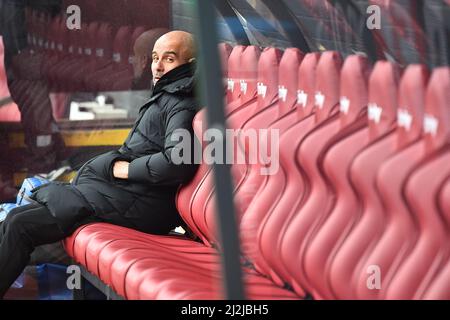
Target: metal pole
(212, 95)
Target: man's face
(167, 55)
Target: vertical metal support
(212, 95)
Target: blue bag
(52, 282)
(28, 185)
(5, 209)
(23, 197)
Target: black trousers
(24, 229)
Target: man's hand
(120, 169)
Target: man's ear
(191, 60)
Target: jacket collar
(178, 80)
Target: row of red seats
(98, 57)
(357, 210)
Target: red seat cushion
(362, 211)
(143, 266)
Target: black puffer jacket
(145, 201)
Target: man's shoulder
(172, 101)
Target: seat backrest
(318, 211)
(30, 16)
(186, 195)
(249, 73)
(63, 38)
(42, 29)
(327, 84)
(437, 116)
(305, 151)
(122, 44)
(234, 73)
(363, 220)
(103, 46)
(288, 80)
(382, 108)
(257, 194)
(431, 251)
(255, 115)
(306, 84)
(80, 40)
(432, 244)
(90, 38)
(397, 236)
(387, 208)
(353, 88)
(136, 33)
(267, 84)
(200, 192)
(411, 102)
(316, 199)
(53, 34)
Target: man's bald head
(171, 50)
(182, 40)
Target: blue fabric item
(28, 185)
(52, 282)
(23, 197)
(5, 209)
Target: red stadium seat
(306, 85)
(74, 55)
(236, 118)
(334, 164)
(99, 80)
(431, 248)
(57, 40)
(69, 76)
(234, 68)
(362, 224)
(97, 55)
(326, 101)
(398, 233)
(268, 196)
(252, 197)
(440, 287)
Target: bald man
(134, 186)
